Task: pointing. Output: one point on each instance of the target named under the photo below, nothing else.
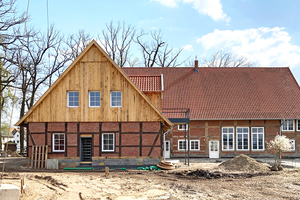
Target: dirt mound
(243, 163)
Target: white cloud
(265, 46)
(212, 8)
(169, 3)
(188, 47)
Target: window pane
(225, 130)
(230, 130)
(260, 130)
(245, 130)
(239, 130)
(291, 124)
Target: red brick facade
(205, 131)
(137, 138)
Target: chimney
(196, 69)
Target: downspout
(165, 133)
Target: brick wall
(42, 134)
(212, 130)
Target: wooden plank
(46, 156)
(35, 157)
(43, 157)
(32, 151)
(39, 156)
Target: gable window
(58, 142)
(194, 144)
(228, 138)
(287, 125)
(292, 142)
(258, 138)
(242, 138)
(182, 127)
(94, 99)
(298, 125)
(108, 142)
(73, 98)
(181, 145)
(116, 99)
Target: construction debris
(166, 165)
(243, 163)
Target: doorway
(167, 149)
(214, 149)
(86, 149)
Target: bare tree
(8, 20)
(226, 59)
(116, 40)
(35, 70)
(157, 51)
(76, 43)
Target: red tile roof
(147, 83)
(229, 93)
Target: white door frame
(214, 149)
(167, 150)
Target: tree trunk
(22, 113)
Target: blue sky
(265, 31)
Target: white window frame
(293, 142)
(182, 149)
(287, 126)
(182, 129)
(198, 141)
(263, 143)
(102, 142)
(298, 123)
(68, 103)
(228, 139)
(95, 101)
(53, 142)
(111, 99)
(237, 143)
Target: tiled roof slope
(147, 83)
(229, 93)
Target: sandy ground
(174, 184)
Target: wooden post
(43, 152)
(39, 156)
(32, 150)
(107, 172)
(35, 157)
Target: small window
(194, 145)
(116, 99)
(94, 99)
(73, 98)
(108, 142)
(287, 125)
(181, 145)
(298, 125)
(293, 144)
(183, 127)
(242, 138)
(228, 138)
(58, 142)
(258, 141)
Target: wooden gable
(93, 70)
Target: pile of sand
(243, 163)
